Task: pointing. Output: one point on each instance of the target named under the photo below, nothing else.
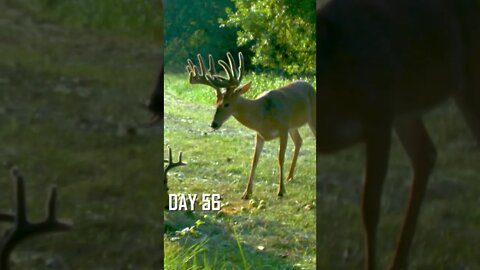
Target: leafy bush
(281, 33)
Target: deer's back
(396, 56)
(290, 106)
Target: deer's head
(227, 88)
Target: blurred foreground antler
(155, 103)
(170, 165)
(22, 228)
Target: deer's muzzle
(214, 125)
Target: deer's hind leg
(422, 154)
(297, 141)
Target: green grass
(67, 102)
(282, 236)
(130, 18)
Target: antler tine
(232, 80)
(232, 65)
(197, 76)
(211, 65)
(211, 78)
(22, 228)
(21, 216)
(238, 73)
(202, 76)
(172, 164)
(241, 67)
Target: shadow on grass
(209, 240)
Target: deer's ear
(243, 89)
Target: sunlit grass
(281, 236)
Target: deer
(155, 102)
(22, 228)
(380, 66)
(274, 114)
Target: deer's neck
(248, 112)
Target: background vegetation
(70, 97)
(274, 35)
(265, 233)
(281, 34)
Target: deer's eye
(226, 105)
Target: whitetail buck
(380, 65)
(274, 114)
(22, 228)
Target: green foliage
(128, 17)
(281, 33)
(192, 27)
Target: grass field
(446, 236)
(69, 115)
(281, 236)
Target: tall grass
(196, 256)
(244, 261)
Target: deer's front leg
(377, 141)
(281, 160)
(259, 142)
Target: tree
(192, 27)
(281, 33)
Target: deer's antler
(202, 76)
(211, 78)
(233, 78)
(171, 164)
(22, 228)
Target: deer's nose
(214, 125)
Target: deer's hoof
(280, 195)
(290, 178)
